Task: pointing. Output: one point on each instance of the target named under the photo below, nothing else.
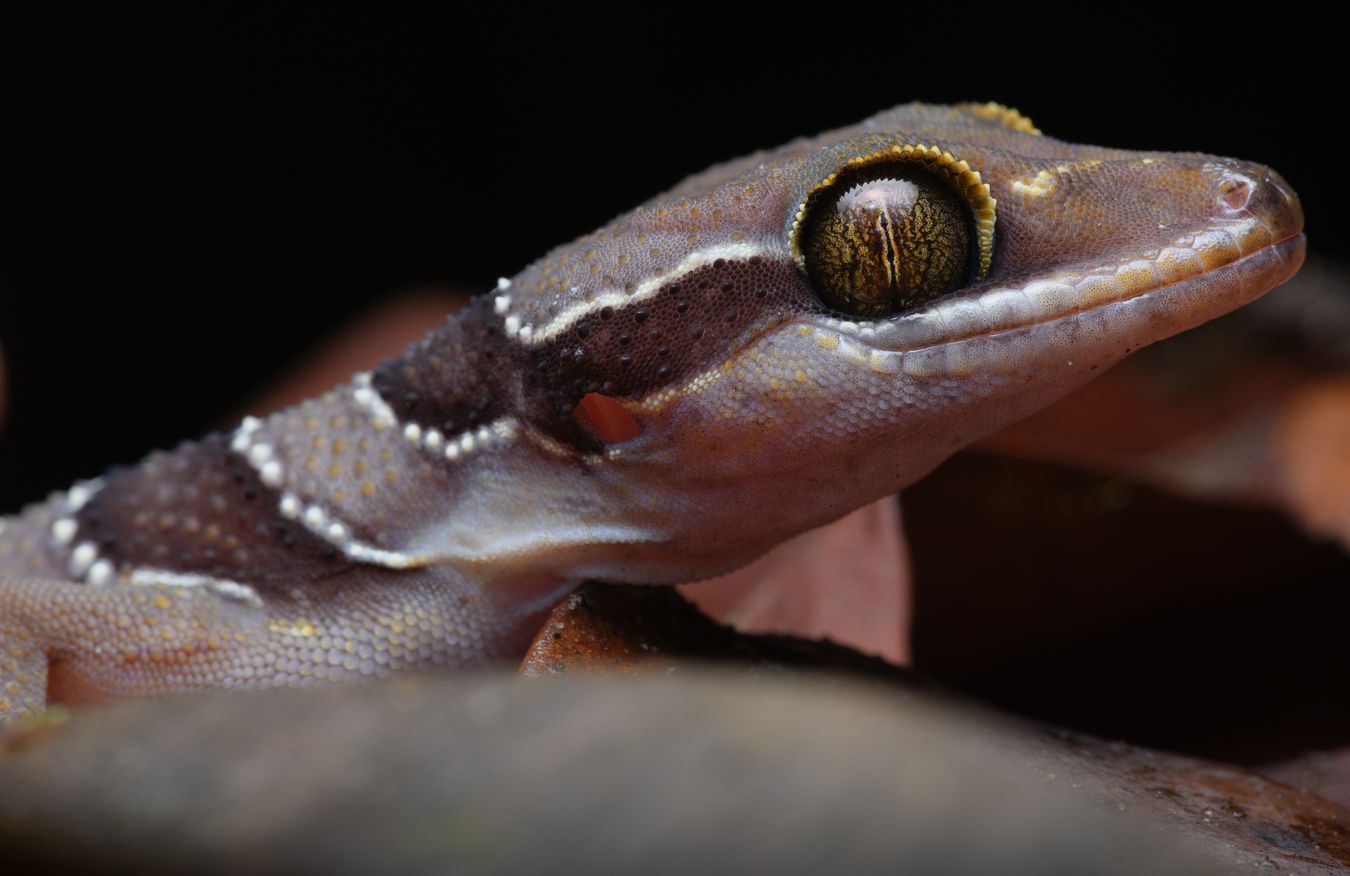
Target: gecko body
(772, 343)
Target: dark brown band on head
(469, 372)
(687, 326)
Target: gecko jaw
(1088, 334)
(1195, 259)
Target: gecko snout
(1251, 189)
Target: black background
(194, 199)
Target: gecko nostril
(1235, 191)
(1259, 192)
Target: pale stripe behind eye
(535, 335)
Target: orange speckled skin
(426, 513)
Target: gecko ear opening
(607, 417)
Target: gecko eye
(886, 238)
(893, 229)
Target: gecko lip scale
(1000, 310)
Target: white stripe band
(537, 335)
(148, 577)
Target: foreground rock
(655, 763)
(492, 774)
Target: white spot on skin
(271, 473)
(314, 516)
(336, 531)
(100, 573)
(259, 454)
(79, 495)
(412, 432)
(452, 451)
(243, 436)
(82, 558)
(432, 439)
(290, 506)
(365, 396)
(512, 326)
(503, 284)
(466, 443)
(501, 304)
(64, 530)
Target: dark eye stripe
(685, 328)
(469, 372)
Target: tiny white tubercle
(271, 473)
(63, 530)
(100, 573)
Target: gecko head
(788, 336)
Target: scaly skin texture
(426, 513)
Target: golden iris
(892, 238)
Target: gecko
(770, 344)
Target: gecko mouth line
(931, 328)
